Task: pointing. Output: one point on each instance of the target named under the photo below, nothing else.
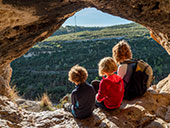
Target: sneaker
(67, 107)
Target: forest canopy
(45, 67)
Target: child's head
(107, 65)
(77, 74)
(121, 51)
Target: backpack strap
(145, 68)
(130, 61)
(130, 70)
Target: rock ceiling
(25, 22)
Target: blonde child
(111, 88)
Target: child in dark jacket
(83, 96)
(111, 88)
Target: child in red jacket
(111, 88)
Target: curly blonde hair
(107, 65)
(121, 51)
(77, 74)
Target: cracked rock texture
(150, 111)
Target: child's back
(83, 100)
(113, 89)
(136, 74)
(83, 96)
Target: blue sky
(94, 17)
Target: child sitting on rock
(111, 88)
(83, 96)
(122, 55)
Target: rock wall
(150, 111)
(5, 77)
(25, 22)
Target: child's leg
(67, 107)
(101, 105)
(95, 84)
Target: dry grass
(12, 93)
(65, 99)
(45, 103)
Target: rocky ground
(150, 111)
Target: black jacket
(83, 100)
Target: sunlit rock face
(149, 111)
(25, 22)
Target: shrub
(65, 99)
(12, 93)
(45, 103)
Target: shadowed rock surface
(150, 111)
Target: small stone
(167, 116)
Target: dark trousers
(95, 84)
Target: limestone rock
(158, 123)
(5, 77)
(167, 116)
(149, 111)
(163, 86)
(28, 105)
(10, 115)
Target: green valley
(45, 67)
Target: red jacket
(111, 91)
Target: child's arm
(122, 70)
(102, 91)
(73, 101)
(96, 98)
(73, 98)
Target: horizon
(91, 17)
(98, 26)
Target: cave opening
(44, 67)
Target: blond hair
(121, 51)
(107, 65)
(77, 74)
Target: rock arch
(23, 22)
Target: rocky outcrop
(150, 111)
(5, 77)
(164, 85)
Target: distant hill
(45, 67)
(132, 30)
(73, 29)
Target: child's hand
(96, 98)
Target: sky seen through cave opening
(91, 17)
